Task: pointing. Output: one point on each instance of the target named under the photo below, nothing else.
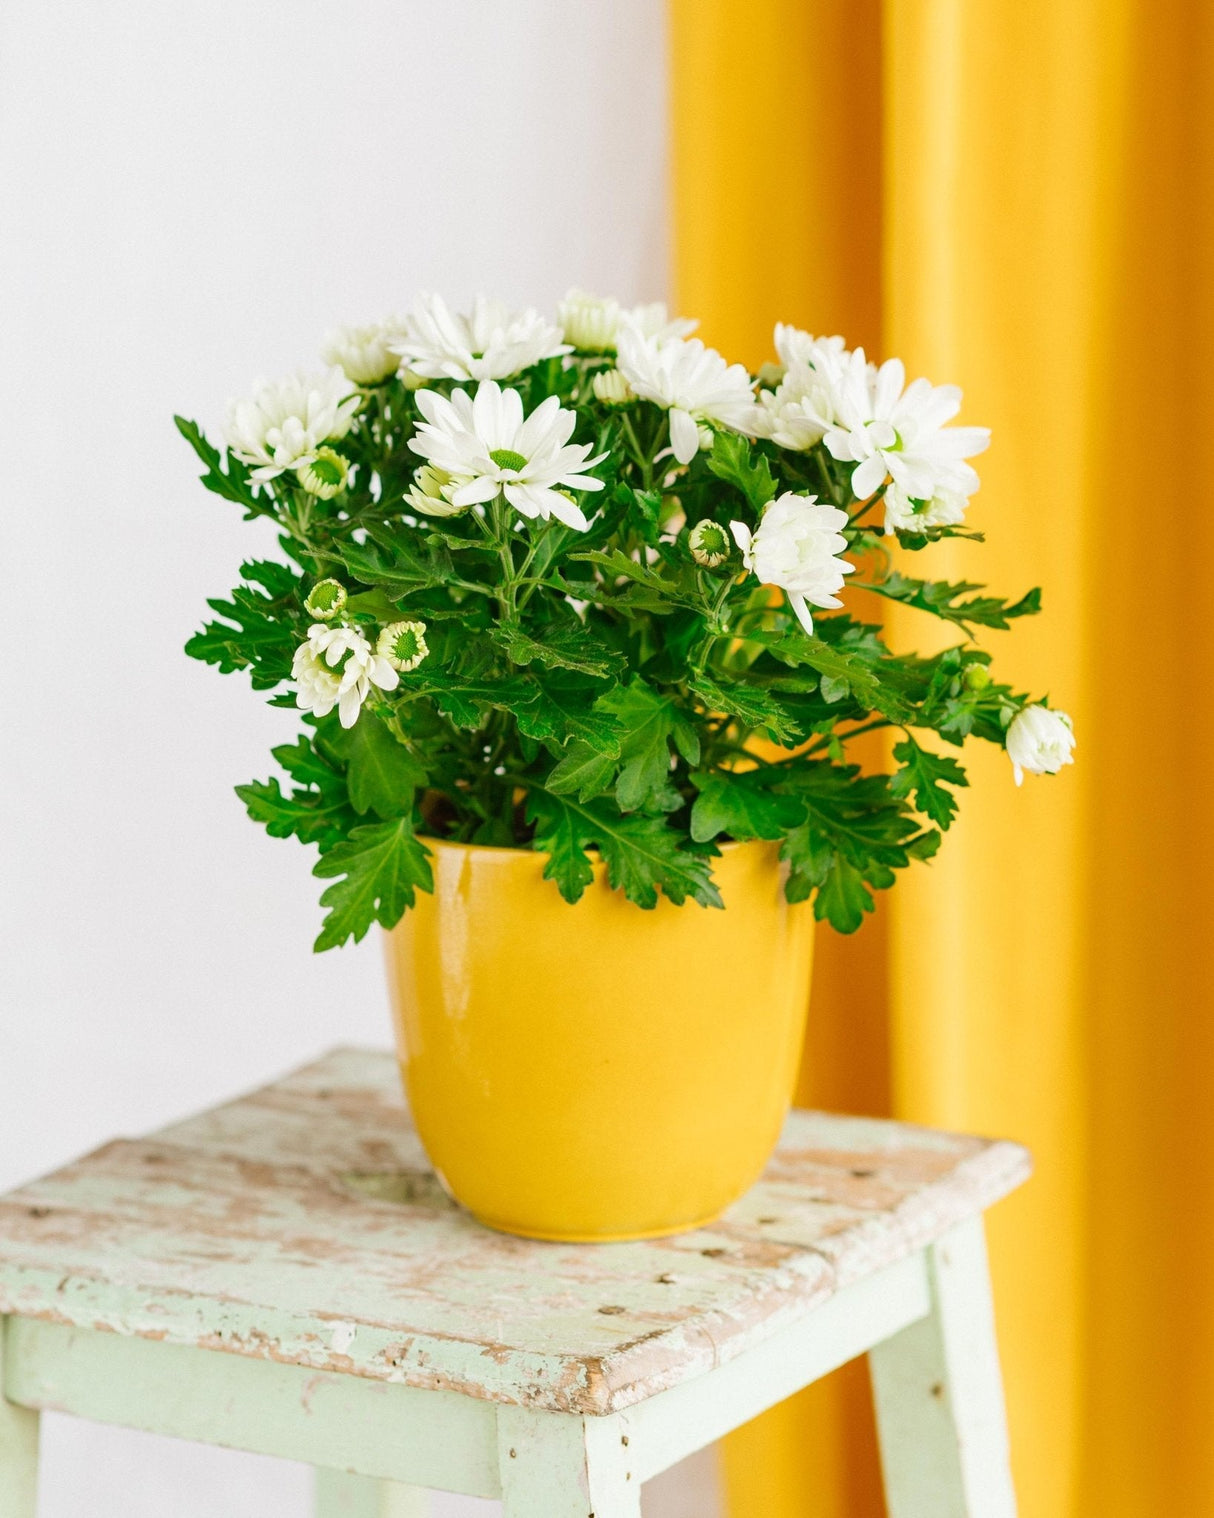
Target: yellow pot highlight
(597, 1071)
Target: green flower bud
(326, 600)
(610, 387)
(325, 476)
(403, 644)
(977, 677)
(709, 543)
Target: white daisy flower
(1039, 739)
(889, 431)
(488, 447)
(287, 421)
(693, 383)
(946, 508)
(492, 342)
(337, 667)
(363, 352)
(592, 323)
(795, 548)
(430, 492)
(796, 346)
(798, 412)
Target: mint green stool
(285, 1274)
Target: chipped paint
(302, 1224)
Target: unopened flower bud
(429, 493)
(326, 600)
(977, 677)
(709, 543)
(588, 322)
(1040, 741)
(403, 645)
(325, 476)
(612, 388)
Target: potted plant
(550, 603)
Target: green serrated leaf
(752, 705)
(733, 460)
(644, 855)
(743, 805)
(383, 775)
(925, 775)
(808, 855)
(399, 572)
(650, 590)
(312, 817)
(232, 483)
(304, 765)
(583, 771)
(376, 876)
(948, 600)
(560, 647)
(562, 706)
(842, 898)
(560, 833)
(647, 724)
(259, 632)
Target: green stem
(715, 630)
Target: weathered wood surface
(302, 1223)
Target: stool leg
(18, 1453)
(559, 1465)
(341, 1495)
(939, 1395)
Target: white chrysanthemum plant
(581, 585)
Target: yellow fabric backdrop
(1017, 195)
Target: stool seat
(302, 1225)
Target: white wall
(190, 195)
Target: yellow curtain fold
(1016, 196)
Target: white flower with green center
(946, 508)
(363, 352)
(491, 342)
(709, 543)
(892, 432)
(325, 476)
(430, 492)
(1039, 740)
(488, 448)
(326, 600)
(403, 645)
(693, 383)
(591, 323)
(337, 667)
(289, 420)
(610, 387)
(795, 547)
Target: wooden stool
(285, 1274)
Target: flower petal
(684, 435)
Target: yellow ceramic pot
(597, 1071)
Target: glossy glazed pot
(597, 1071)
